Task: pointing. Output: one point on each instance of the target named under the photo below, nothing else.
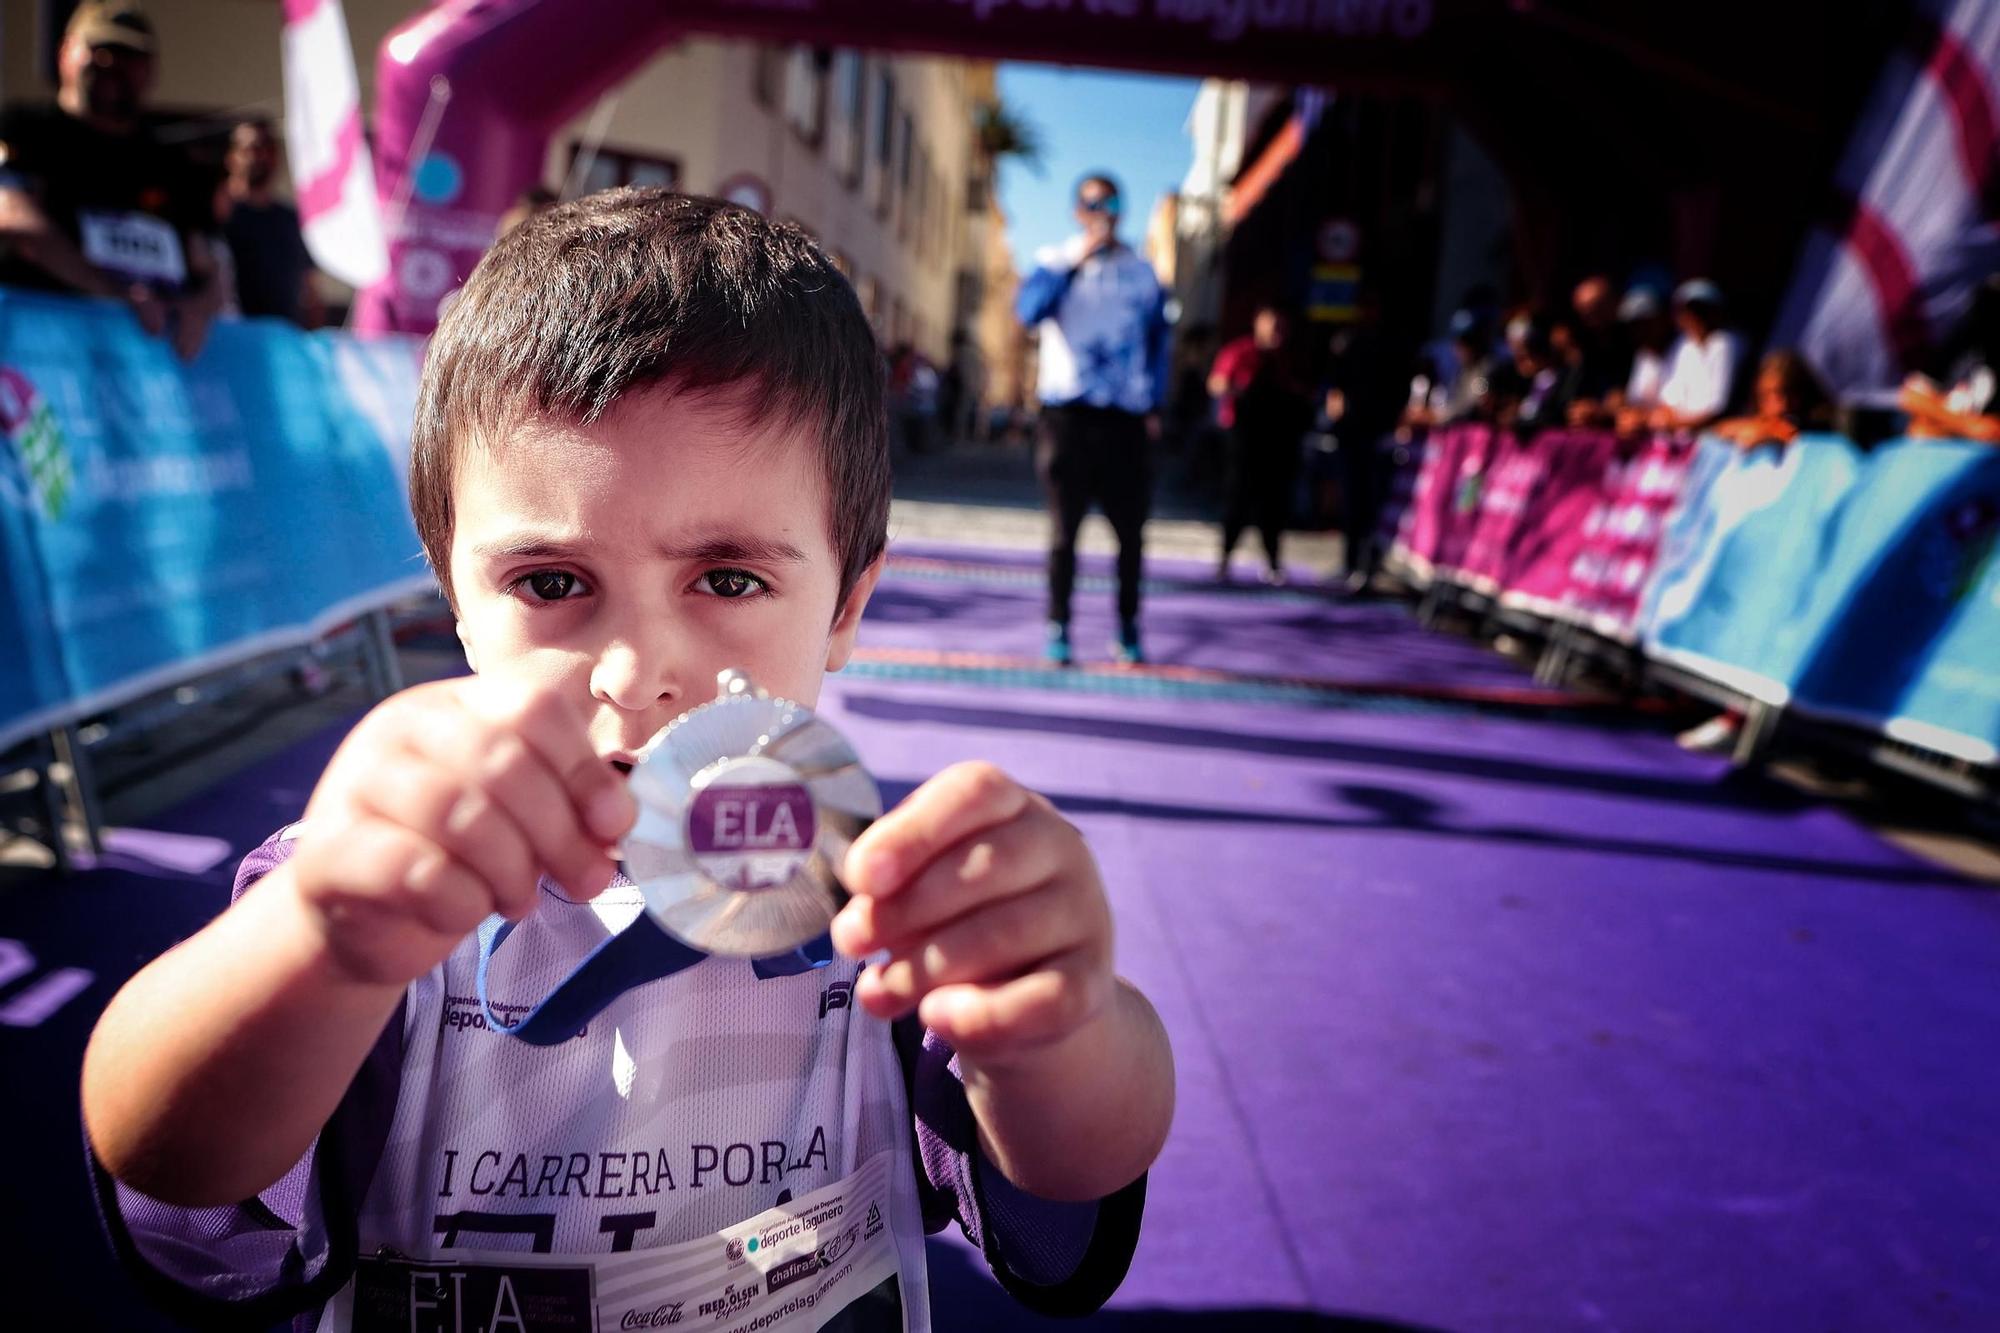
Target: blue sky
(1128, 124)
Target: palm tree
(1002, 133)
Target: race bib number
(400, 1295)
(138, 246)
(826, 1260)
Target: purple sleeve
(1056, 1258)
(282, 1253)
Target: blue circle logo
(439, 179)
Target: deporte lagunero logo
(38, 475)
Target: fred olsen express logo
(732, 1299)
(39, 474)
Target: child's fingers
(370, 871)
(510, 770)
(958, 802)
(999, 942)
(988, 866)
(462, 819)
(560, 734)
(1046, 1005)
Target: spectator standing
(1968, 407)
(1360, 410)
(1789, 397)
(1102, 380)
(1702, 368)
(266, 246)
(952, 398)
(1262, 404)
(1603, 350)
(1652, 337)
(1542, 380)
(91, 202)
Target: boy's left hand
(992, 912)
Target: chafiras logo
(38, 474)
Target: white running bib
(138, 246)
(788, 1269)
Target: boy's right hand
(445, 805)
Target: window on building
(906, 149)
(805, 92)
(885, 117)
(977, 189)
(885, 143)
(609, 167)
(969, 291)
(851, 84)
(767, 74)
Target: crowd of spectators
(96, 201)
(1641, 362)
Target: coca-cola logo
(659, 1317)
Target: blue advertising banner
(1910, 611)
(1861, 589)
(160, 519)
(1744, 562)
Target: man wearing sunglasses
(1101, 313)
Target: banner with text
(161, 519)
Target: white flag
(332, 174)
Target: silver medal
(747, 806)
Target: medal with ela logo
(747, 806)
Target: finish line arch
(478, 87)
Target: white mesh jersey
(717, 1147)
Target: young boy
(650, 446)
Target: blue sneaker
(1129, 652)
(1057, 650)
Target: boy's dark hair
(622, 291)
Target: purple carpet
(1482, 1022)
(935, 598)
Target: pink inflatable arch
(469, 92)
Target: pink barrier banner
(1482, 446)
(1621, 539)
(1433, 501)
(1583, 467)
(1513, 477)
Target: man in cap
(91, 202)
(1703, 367)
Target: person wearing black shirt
(273, 270)
(91, 202)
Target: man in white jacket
(1103, 374)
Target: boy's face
(627, 562)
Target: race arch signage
(518, 69)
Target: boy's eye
(550, 585)
(731, 583)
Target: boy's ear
(465, 642)
(840, 644)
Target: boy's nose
(629, 677)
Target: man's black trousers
(1101, 455)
